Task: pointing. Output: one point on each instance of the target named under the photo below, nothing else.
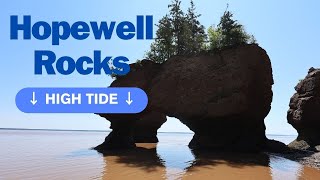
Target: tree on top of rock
(178, 34)
(162, 48)
(179, 26)
(196, 29)
(182, 33)
(228, 33)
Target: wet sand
(67, 155)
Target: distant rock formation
(223, 97)
(304, 112)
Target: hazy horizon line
(84, 130)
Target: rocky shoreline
(307, 158)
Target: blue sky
(287, 30)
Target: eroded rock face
(124, 126)
(304, 112)
(145, 129)
(223, 97)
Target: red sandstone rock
(304, 112)
(223, 97)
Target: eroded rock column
(145, 129)
(121, 136)
(304, 112)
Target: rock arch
(222, 96)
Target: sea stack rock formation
(124, 125)
(304, 112)
(222, 96)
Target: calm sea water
(27, 154)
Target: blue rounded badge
(82, 100)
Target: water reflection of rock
(146, 162)
(138, 163)
(167, 160)
(231, 158)
(217, 165)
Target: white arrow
(129, 101)
(33, 100)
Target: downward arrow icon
(129, 101)
(33, 100)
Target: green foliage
(162, 48)
(228, 33)
(215, 38)
(181, 33)
(178, 22)
(139, 62)
(196, 34)
(178, 34)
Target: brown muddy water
(36, 154)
